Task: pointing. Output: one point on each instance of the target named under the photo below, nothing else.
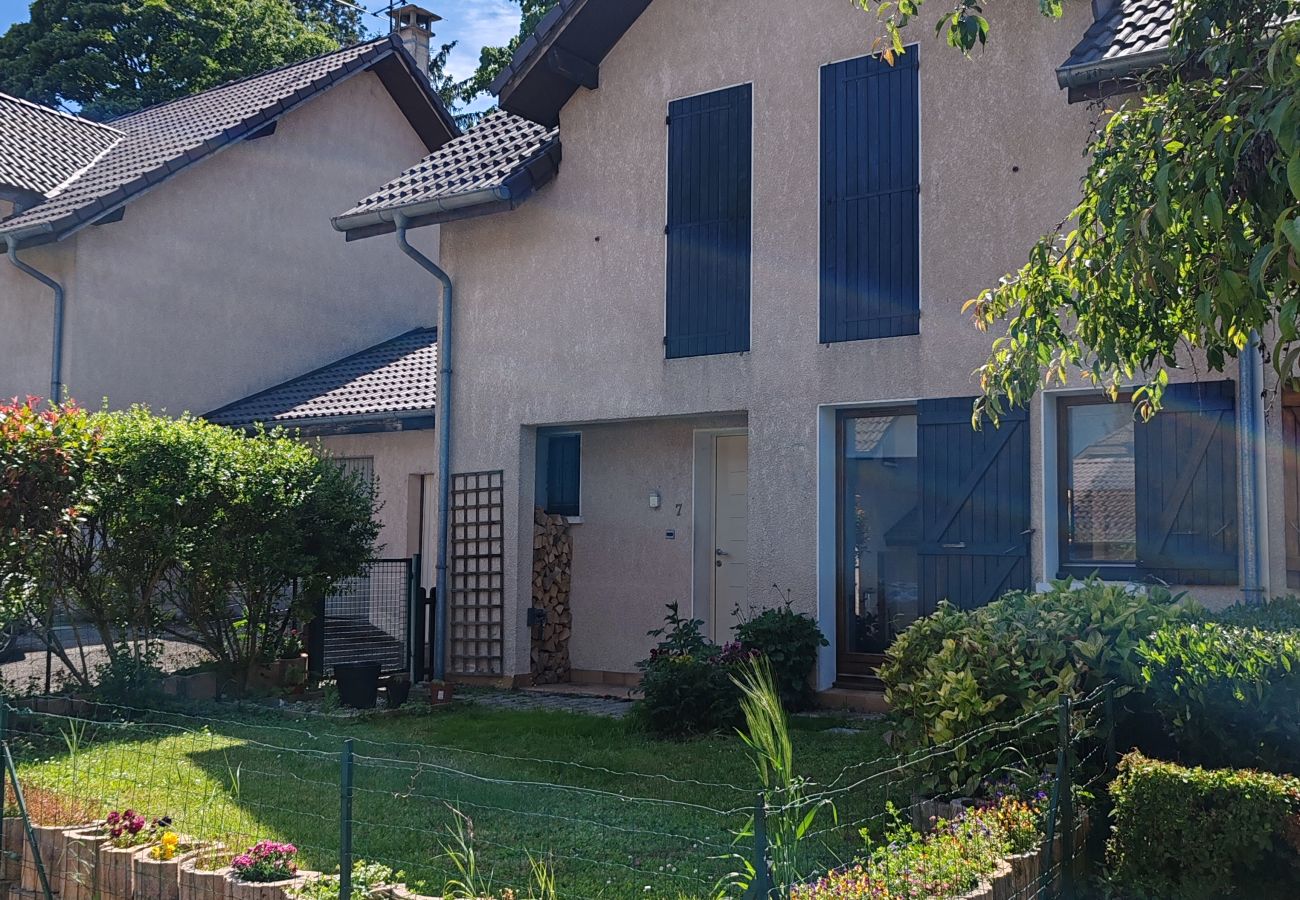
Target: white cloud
(475, 24)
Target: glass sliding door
(879, 531)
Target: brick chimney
(414, 25)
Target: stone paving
(549, 699)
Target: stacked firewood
(552, 574)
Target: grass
(617, 814)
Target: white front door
(730, 531)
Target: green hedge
(957, 671)
(1229, 696)
(1185, 834)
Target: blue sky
(473, 24)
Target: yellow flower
(168, 844)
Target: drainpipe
(1250, 419)
(56, 358)
(443, 413)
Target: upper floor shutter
(870, 193)
(709, 172)
(1186, 479)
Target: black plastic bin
(358, 684)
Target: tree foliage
(125, 519)
(1186, 238)
(492, 60)
(111, 58)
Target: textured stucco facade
(560, 308)
(227, 278)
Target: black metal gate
(367, 619)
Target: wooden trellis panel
(477, 576)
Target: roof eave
(420, 419)
(532, 175)
(1086, 75)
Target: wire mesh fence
(437, 817)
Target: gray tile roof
(499, 161)
(40, 148)
(394, 378)
(161, 140)
(1121, 30)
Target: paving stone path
(550, 700)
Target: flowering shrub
(790, 641)
(167, 848)
(947, 862)
(129, 828)
(686, 683)
(266, 861)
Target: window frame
(1107, 570)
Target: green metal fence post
(345, 821)
(27, 823)
(1066, 803)
(4, 773)
(762, 888)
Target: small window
(363, 466)
(1099, 489)
(559, 470)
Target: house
(182, 257)
(709, 262)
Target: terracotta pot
(116, 871)
(159, 879)
(293, 671)
(81, 863)
(263, 890)
(51, 840)
(201, 884)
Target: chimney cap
(410, 15)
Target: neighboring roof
(563, 53)
(40, 148)
(1125, 37)
(162, 140)
(391, 381)
(494, 166)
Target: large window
(709, 172)
(870, 199)
(1099, 490)
(1150, 501)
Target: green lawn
(619, 814)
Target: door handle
(960, 545)
(720, 552)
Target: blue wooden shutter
(870, 193)
(563, 474)
(975, 494)
(1185, 462)
(709, 171)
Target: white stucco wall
(398, 457)
(229, 278)
(560, 304)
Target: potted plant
(157, 868)
(440, 693)
(358, 684)
(203, 875)
(397, 690)
(267, 871)
(128, 833)
(293, 661)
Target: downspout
(1250, 418)
(443, 414)
(56, 358)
